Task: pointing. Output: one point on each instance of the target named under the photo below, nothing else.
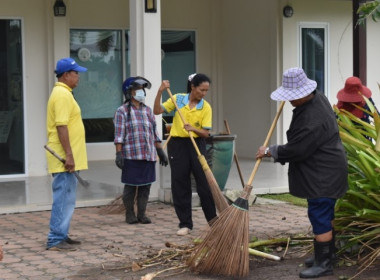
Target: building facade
(243, 45)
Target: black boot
(322, 265)
(142, 200)
(129, 203)
(310, 261)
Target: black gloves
(162, 156)
(119, 160)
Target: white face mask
(140, 96)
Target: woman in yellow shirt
(183, 158)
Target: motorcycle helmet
(134, 83)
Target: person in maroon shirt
(350, 95)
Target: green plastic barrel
(219, 155)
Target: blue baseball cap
(68, 64)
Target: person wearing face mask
(137, 146)
(183, 158)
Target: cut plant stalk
(213, 256)
(263, 255)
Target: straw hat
(351, 89)
(295, 85)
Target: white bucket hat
(295, 85)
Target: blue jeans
(64, 196)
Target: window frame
(321, 25)
(23, 99)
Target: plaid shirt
(137, 131)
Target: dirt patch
(260, 269)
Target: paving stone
(107, 237)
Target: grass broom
(219, 199)
(224, 250)
(116, 206)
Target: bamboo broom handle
(250, 180)
(184, 122)
(235, 155)
(166, 143)
(220, 201)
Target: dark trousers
(183, 161)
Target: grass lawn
(287, 198)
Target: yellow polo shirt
(199, 117)
(62, 109)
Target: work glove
(119, 160)
(162, 156)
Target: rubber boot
(142, 201)
(322, 265)
(129, 203)
(310, 261)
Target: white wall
(239, 45)
(236, 47)
(197, 15)
(249, 58)
(36, 75)
(337, 14)
(98, 13)
(373, 58)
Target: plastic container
(219, 155)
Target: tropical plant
(369, 9)
(358, 212)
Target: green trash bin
(219, 155)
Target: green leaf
(365, 198)
(369, 9)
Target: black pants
(183, 161)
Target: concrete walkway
(25, 205)
(108, 240)
(34, 193)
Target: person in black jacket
(317, 162)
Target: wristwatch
(266, 151)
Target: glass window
(99, 91)
(12, 152)
(313, 46)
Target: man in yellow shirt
(66, 136)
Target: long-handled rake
(224, 250)
(80, 180)
(235, 156)
(220, 201)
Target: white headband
(191, 77)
